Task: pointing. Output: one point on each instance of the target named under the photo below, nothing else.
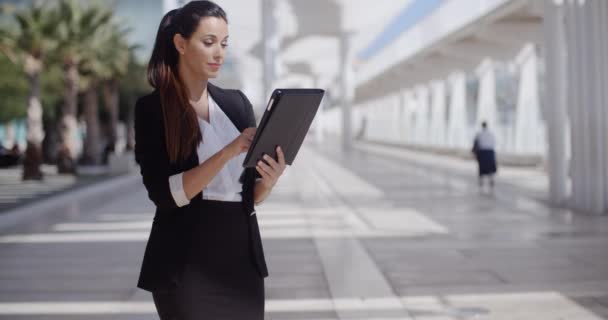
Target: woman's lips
(214, 66)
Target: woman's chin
(213, 74)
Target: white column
(527, 122)
(598, 136)
(406, 118)
(381, 123)
(574, 107)
(401, 124)
(319, 124)
(332, 120)
(438, 121)
(457, 127)
(603, 66)
(585, 23)
(270, 41)
(375, 124)
(486, 103)
(356, 114)
(395, 113)
(556, 102)
(347, 88)
(378, 124)
(422, 115)
(585, 100)
(372, 118)
(571, 78)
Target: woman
(204, 258)
(483, 149)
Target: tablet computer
(285, 122)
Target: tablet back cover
(285, 123)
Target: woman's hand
(241, 143)
(271, 170)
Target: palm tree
(28, 47)
(116, 56)
(91, 69)
(103, 65)
(90, 84)
(77, 28)
(133, 85)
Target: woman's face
(203, 54)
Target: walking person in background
(483, 149)
(204, 258)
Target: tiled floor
(14, 191)
(359, 235)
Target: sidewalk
(532, 181)
(14, 192)
(347, 236)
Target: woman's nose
(218, 53)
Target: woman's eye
(224, 44)
(207, 43)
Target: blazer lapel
(229, 106)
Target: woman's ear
(180, 43)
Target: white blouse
(217, 133)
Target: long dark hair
(182, 133)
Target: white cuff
(176, 186)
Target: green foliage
(133, 85)
(52, 91)
(63, 32)
(13, 90)
(29, 36)
(78, 27)
(109, 56)
(36, 30)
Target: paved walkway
(360, 235)
(14, 192)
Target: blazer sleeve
(250, 118)
(151, 153)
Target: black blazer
(165, 253)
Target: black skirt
(487, 162)
(219, 280)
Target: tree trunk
(131, 125)
(91, 146)
(51, 141)
(110, 94)
(10, 138)
(35, 133)
(67, 152)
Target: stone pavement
(14, 192)
(359, 235)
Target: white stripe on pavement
(100, 226)
(76, 237)
(126, 216)
(525, 305)
(138, 236)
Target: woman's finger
(249, 131)
(262, 172)
(245, 145)
(266, 168)
(271, 162)
(281, 157)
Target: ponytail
(182, 132)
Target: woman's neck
(196, 85)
